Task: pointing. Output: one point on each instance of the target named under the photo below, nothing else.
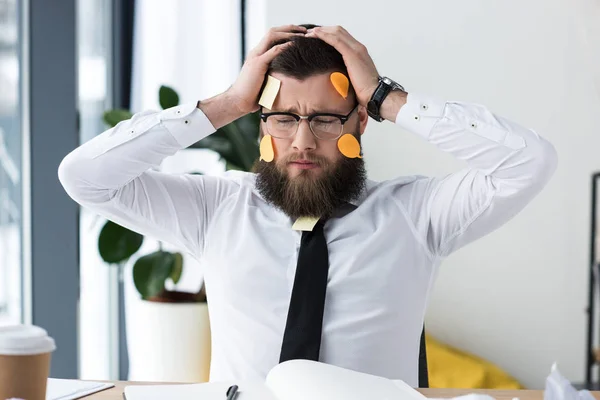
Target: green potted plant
(165, 313)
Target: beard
(308, 194)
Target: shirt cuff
(187, 123)
(420, 114)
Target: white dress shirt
(383, 256)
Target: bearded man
(305, 257)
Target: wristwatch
(386, 85)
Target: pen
(231, 392)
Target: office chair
(423, 371)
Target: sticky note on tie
(349, 146)
(305, 223)
(267, 152)
(340, 83)
(269, 93)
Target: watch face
(387, 80)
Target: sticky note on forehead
(305, 224)
(269, 93)
(340, 83)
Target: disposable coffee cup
(25, 352)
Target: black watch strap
(385, 86)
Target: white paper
(67, 389)
(559, 388)
(303, 379)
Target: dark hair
(307, 57)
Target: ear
(363, 118)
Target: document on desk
(68, 389)
(291, 380)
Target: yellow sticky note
(269, 93)
(349, 146)
(340, 83)
(305, 223)
(267, 152)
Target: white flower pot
(168, 342)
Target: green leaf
(249, 125)
(236, 143)
(113, 117)
(167, 97)
(220, 144)
(229, 166)
(116, 243)
(177, 268)
(246, 150)
(151, 271)
(216, 143)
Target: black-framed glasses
(325, 126)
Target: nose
(304, 139)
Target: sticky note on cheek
(267, 152)
(340, 83)
(269, 93)
(349, 146)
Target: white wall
(518, 296)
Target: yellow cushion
(452, 368)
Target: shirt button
(187, 121)
(417, 117)
(473, 125)
(424, 107)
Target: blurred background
(504, 309)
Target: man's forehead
(312, 94)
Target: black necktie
(302, 336)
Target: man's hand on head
(361, 68)
(245, 91)
(242, 97)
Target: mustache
(318, 160)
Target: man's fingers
(273, 36)
(289, 28)
(336, 36)
(269, 55)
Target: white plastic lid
(25, 340)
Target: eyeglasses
(325, 126)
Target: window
(96, 307)
(11, 139)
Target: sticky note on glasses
(340, 83)
(269, 93)
(305, 224)
(349, 146)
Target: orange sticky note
(267, 153)
(305, 224)
(340, 83)
(349, 146)
(269, 93)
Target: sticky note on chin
(340, 83)
(305, 224)
(349, 146)
(269, 93)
